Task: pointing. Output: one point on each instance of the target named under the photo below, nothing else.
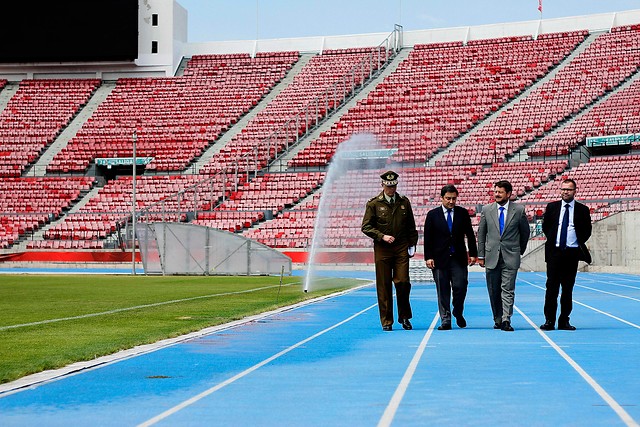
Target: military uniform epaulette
(373, 198)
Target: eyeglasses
(567, 189)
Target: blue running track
(330, 363)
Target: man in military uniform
(389, 221)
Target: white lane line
(120, 310)
(613, 281)
(608, 293)
(394, 403)
(617, 408)
(590, 307)
(620, 285)
(246, 372)
(608, 314)
(79, 367)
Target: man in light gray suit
(503, 234)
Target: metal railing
(300, 124)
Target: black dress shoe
(497, 325)
(387, 328)
(547, 326)
(461, 322)
(566, 327)
(406, 324)
(506, 326)
(444, 327)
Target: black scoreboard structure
(611, 144)
(69, 31)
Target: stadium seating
(265, 196)
(440, 92)
(321, 86)
(27, 204)
(607, 184)
(432, 109)
(35, 116)
(344, 203)
(602, 66)
(95, 223)
(175, 119)
(618, 114)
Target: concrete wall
(614, 246)
(614, 243)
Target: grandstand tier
(245, 142)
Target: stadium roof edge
(173, 45)
(592, 23)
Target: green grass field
(51, 321)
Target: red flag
(540, 5)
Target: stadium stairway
(40, 167)
(39, 234)
(280, 165)
(7, 93)
(242, 123)
(578, 153)
(587, 41)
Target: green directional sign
(384, 153)
(612, 140)
(122, 161)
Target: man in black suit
(567, 226)
(445, 253)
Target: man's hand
(472, 260)
(388, 239)
(481, 262)
(431, 264)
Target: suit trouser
(562, 268)
(392, 266)
(451, 279)
(501, 284)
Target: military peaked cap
(389, 178)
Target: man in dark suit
(567, 226)
(445, 253)
(503, 234)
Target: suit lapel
(457, 216)
(493, 214)
(510, 214)
(556, 216)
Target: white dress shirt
(572, 240)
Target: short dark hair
(504, 184)
(449, 188)
(570, 181)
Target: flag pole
(540, 8)
(133, 208)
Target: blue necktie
(564, 228)
(450, 224)
(501, 219)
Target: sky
(219, 20)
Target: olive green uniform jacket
(381, 218)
